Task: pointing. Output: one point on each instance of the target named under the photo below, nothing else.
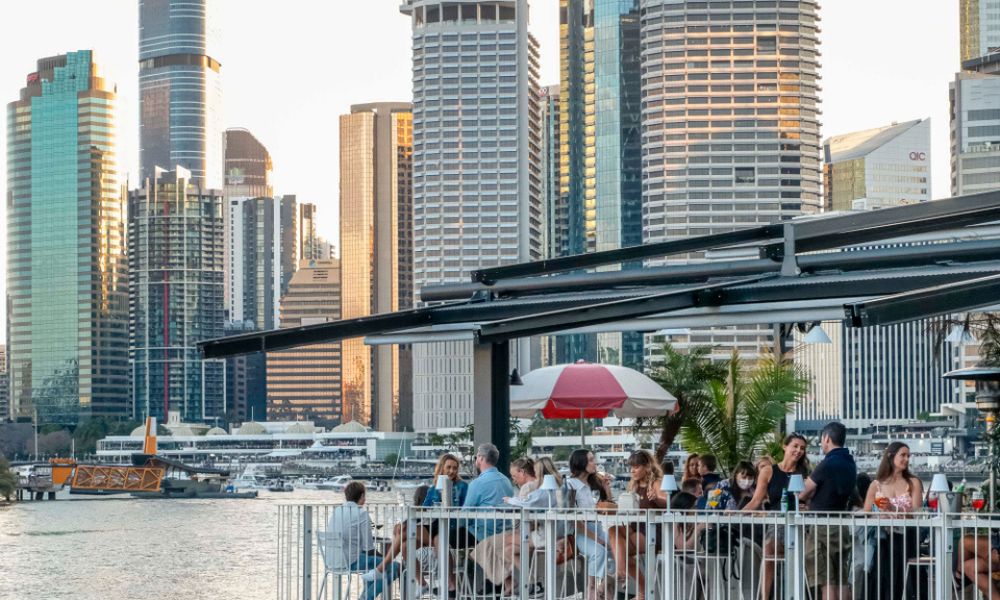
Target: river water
(113, 548)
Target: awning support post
(491, 404)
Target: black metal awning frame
(783, 262)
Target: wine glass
(978, 502)
(596, 495)
(932, 502)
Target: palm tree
(686, 376)
(738, 416)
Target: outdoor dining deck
(689, 555)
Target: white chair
(337, 561)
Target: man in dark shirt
(707, 464)
(829, 489)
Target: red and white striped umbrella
(589, 391)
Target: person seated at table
(693, 487)
(692, 467)
(710, 478)
(686, 535)
(398, 547)
(979, 561)
(629, 542)
(500, 555)
(352, 525)
(586, 491)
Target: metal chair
(337, 561)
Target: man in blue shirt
(487, 490)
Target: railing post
(942, 550)
(550, 556)
(525, 566)
(668, 553)
(795, 563)
(411, 554)
(307, 554)
(444, 534)
(650, 575)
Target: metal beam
(491, 398)
(604, 312)
(291, 337)
(608, 257)
(944, 299)
(854, 260)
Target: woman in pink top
(896, 492)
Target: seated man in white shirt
(352, 525)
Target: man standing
(829, 489)
(349, 532)
(487, 490)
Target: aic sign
(918, 156)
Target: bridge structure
(867, 269)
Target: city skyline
(911, 89)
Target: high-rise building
(175, 252)
(878, 168)
(600, 110)
(891, 374)
(248, 166)
(67, 283)
(979, 28)
(246, 381)
(556, 231)
(376, 258)
(476, 182)
(4, 386)
(975, 128)
(304, 384)
(730, 126)
(179, 90)
(308, 242)
(248, 175)
(254, 257)
(288, 221)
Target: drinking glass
(977, 501)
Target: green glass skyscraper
(67, 288)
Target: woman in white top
(586, 490)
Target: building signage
(918, 156)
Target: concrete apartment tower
(730, 133)
(67, 285)
(176, 287)
(476, 179)
(886, 375)
(376, 254)
(180, 97)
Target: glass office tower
(67, 290)
(175, 243)
(601, 148)
(180, 121)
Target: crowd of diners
(840, 564)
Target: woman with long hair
(629, 542)
(772, 484)
(586, 491)
(894, 492)
(692, 468)
(457, 535)
(741, 486)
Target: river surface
(113, 548)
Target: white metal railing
(640, 554)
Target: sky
(290, 68)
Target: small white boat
(337, 484)
(278, 486)
(246, 481)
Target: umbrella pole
(583, 441)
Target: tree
(391, 459)
(738, 417)
(57, 443)
(521, 445)
(686, 376)
(8, 484)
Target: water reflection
(119, 549)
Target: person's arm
(760, 492)
(916, 494)
(810, 489)
(869, 499)
(657, 496)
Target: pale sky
(290, 68)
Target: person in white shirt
(351, 525)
